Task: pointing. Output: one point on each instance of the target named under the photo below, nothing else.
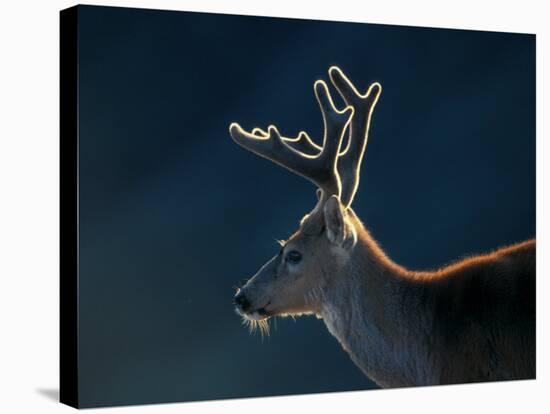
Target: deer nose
(241, 301)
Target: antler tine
(349, 162)
(260, 132)
(335, 125)
(304, 144)
(319, 168)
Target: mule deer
(471, 321)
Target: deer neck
(376, 312)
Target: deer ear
(334, 220)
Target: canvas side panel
(69, 206)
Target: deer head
(324, 242)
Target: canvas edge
(68, 263)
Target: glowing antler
(319, 168)
(349, 162)
(333, 168)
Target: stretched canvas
(256, 206)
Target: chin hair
(255, 325)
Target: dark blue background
(174, 215)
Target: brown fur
(471, 321)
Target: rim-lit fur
(470, 321)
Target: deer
(470, 321)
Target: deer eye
(293, 257)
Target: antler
(349, 162)
(334, 169)
(319, 167)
